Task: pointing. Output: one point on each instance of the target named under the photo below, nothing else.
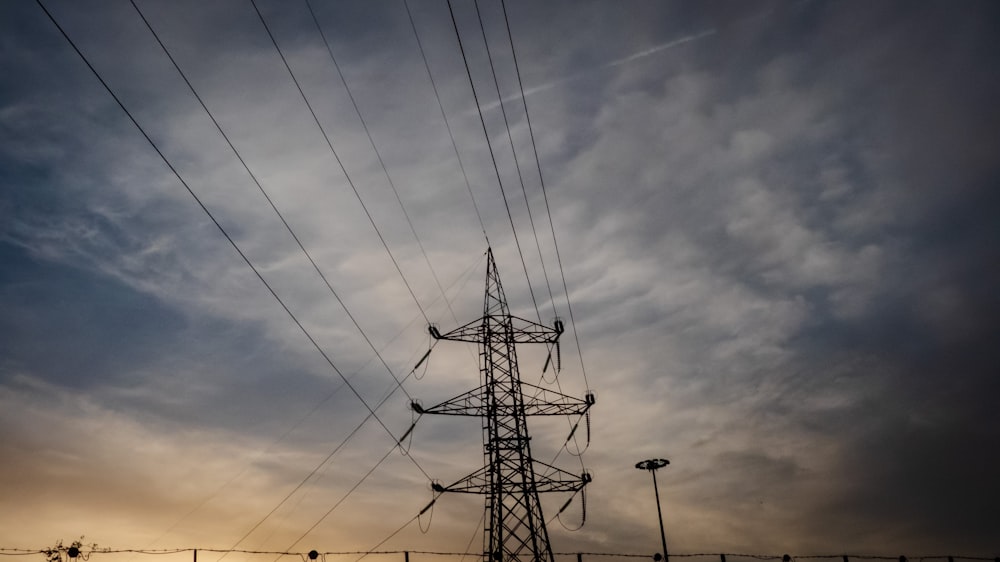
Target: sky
(776, 225)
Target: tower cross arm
(470, 332)
(547, 479)
(526, 331)
(551, 479)
(517, 329)
(546, 402)
(471, 403)
(542, 402)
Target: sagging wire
(406, 441)
(407, 437)
(374, 550)
(430, 518)
(424, 360)
(579, 452)
(558, 357)
(583, 511)
(548, 361)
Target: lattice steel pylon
(514, 530)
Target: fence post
(196, 555)
(722, 557)
(579, 557)
(406, 556)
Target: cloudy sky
(777, 222)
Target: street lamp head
(652, 464)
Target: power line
(327, 459)
(263, 192)
(378, 154)
(311, 261)
(475, 532)
(344, 497)
(220, 227)
(489, 145)
(352, 433)
(464, 277)
(517, 164)
(527, 204)
(348, 438)
(398, 530)
(444, 117)
(545, 197)
(329, 143)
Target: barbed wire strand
(28, 552)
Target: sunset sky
(778, 225)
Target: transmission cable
(349, 436)
(263, 192)
(342, 498)
(401, 527)
(475, 532)
(545, 197)
(301, 247)
(541, 179)
(399, 443)
(463, 277)
(444, 117)
(221, 229)
(482, 121)
(378, 155)
(520, 177)
(517, 163)
(340, 446)
(336, 157)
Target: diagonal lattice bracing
(510, 478)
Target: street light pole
(652, 465)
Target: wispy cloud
(780, 281)
(638, 55)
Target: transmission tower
(511, 479)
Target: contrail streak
(617, 62)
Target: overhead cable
(541, 179)
(486, 135)
(350, 435)
(221, 229)
(444, 117)
(464, 279)
(263, 192)
(342, 498)
(340, 163)
(517, 166)
(545, 197)
(378, 155)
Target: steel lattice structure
(511, 479)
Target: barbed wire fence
(76, 554)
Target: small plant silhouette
(72, 551)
